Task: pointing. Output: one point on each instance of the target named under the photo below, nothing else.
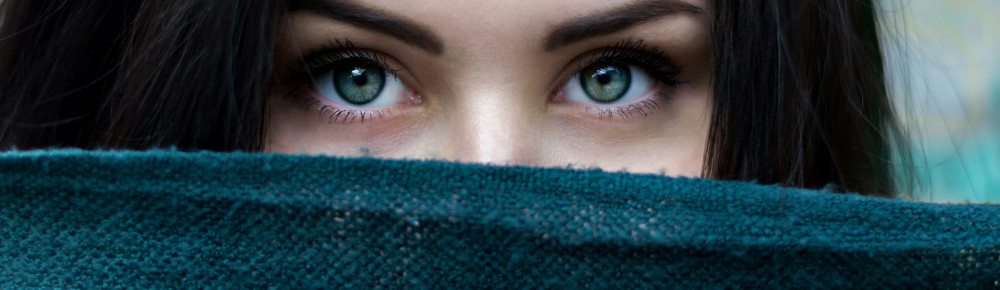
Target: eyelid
(655, 61)
(320, 61)
(304, 78)
(650, 60)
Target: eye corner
(558, 95)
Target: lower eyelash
(339, 115)
(641, 109)
(347, 116)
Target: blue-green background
(944, 59)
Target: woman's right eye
(607, 83)
(360, 83)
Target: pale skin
(496, 90)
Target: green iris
(359, 84)
(606, 82)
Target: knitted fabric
(234, 220)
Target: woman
(788, 92)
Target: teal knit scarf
(168, 219)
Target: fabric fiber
(165, 219)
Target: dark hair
(799, 86)
(800, 97)
(136, 74)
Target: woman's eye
(360, 84)
(605, 83)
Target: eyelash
(319, 62)
(653, 60)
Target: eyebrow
(374, 20)
(618, 19)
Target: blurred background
(944, 59)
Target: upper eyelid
(303, 73)
(627, 52)
(318, 59)
(335, 51)
(623, 52)
(607, 53)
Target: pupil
(603, 78)
(360, 79)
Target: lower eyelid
(643, 108)
(333, 113)
(314, 102)
(652, 102)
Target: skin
(492, 94)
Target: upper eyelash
(321, 61)
(653, 59)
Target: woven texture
(168, 219)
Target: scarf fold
(164, 219)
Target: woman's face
(613, 84)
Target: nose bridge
(491, 126)
(492, 103)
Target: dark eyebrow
(374, 20)
(618, 19)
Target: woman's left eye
(608, 83)
(360, 84)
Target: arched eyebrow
(374, 20)
(575, 30)
(618, 19)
